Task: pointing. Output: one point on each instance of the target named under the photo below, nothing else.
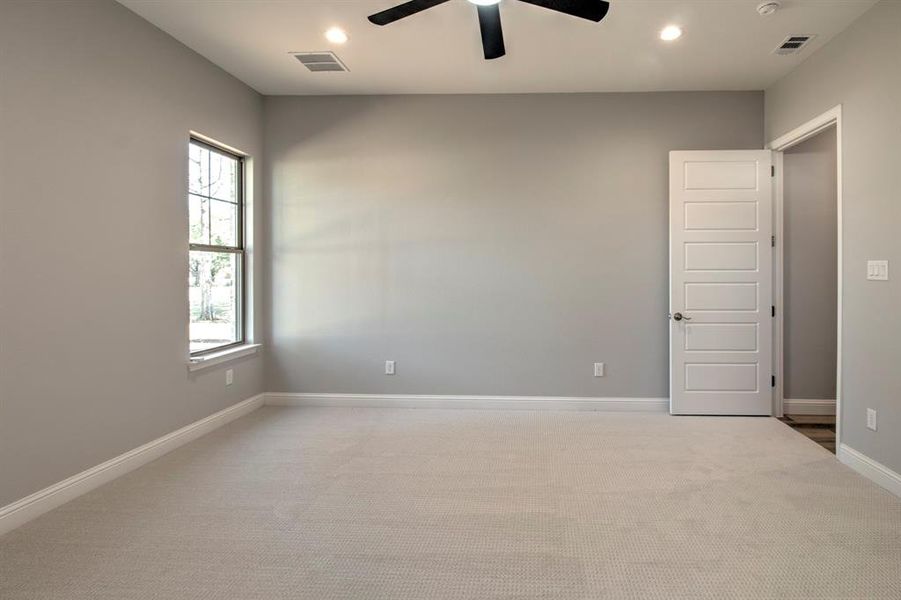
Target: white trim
(20, 512)
(807, 130)
(831, 117)
(869, 468)
(779, 285)
(214, 142)
(217, 358)
(809, 406)
(471, 402)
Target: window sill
(217, 358)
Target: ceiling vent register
(321, 62)
(793, 44)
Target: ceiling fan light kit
(490, 16)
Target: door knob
(679, 316)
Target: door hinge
(773, 241)
(773, 382)
(772, 170)
(773, 310)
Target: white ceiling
(726, 44)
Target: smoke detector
(765, 9)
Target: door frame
(820, 123)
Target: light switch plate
(877, 270)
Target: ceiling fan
(490, 16)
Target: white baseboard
(869, 468)
(20, 512)
(472, 402)
(808, 406)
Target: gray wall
(810, 247)
(859, 69)
(488, 244)
(95, 109)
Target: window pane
(214, 284)
(223, 177)
(223, 223)
(199, 219)
(198, 169)
(215, 278)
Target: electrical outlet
(598, 369)
(389, 367)
(229, 376)
(871, 419)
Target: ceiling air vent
(793, 44)
(319, 62)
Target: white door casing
(721, 210)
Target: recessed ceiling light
(670, 33)
(485, 2)
(336, 35)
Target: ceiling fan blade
(403, 10)
(593, 10)
(492, 34)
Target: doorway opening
(807, 280)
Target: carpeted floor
(429, 504)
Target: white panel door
(721, 282)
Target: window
(216, 265)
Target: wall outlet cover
(871, 419)
(389, 367)
(598, 369)
(229, 376)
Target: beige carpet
(421, 504)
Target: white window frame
(213, 355)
